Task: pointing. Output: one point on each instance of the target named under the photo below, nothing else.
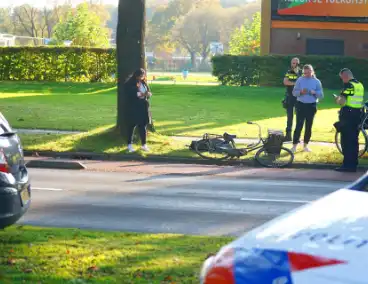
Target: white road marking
(275, 200)
(47, 188)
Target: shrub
(74, 64)
(269, 70)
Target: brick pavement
(194, 170)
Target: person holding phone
(289, 101)
(307, 90)
(351, 99)
(138, 93)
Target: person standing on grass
(308, 91)
(138, 93)
(352, 100)
(290, 101)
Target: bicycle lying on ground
(270, 151)
(363, 136)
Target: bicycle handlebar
(259, 128)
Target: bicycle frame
(361, 126)
(253, 146)
(225, 145)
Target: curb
(153, 158)
(62, 165)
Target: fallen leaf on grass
(176, 260)
(93, 268)
(11, 261)
(137, 274)
(28, 270)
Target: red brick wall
(284, 41)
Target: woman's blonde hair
(310, 67)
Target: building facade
(315, 27)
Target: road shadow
(212, 172)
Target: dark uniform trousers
(290, 100)
(291, 105)
(350, 119)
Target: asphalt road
(168, 204)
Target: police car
(323, 242)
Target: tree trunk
(193, 60)
(130, 51)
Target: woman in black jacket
(138, 93)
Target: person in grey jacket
(308, 90)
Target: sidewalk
(195, 170)
(179, 138)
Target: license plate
(24, 195)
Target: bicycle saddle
(228, 136)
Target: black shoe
(346, 170)
(287, 137)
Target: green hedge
(57, 64)
(270, 70)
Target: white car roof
(323, 242)
(334, 226)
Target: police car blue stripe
(254, 266)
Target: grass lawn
(104, 140)
(48, 255)
(177, 109)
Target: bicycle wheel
(271, 160)
(210, 149)
(363, 142)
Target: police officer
(290, 101)
(352, 100)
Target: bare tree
(34, 22)
(61, 11)
(196, 30)
(27, 17)
(48, 22)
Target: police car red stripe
(299, 261)
(250, 266)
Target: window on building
(325, 47)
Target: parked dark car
(15, 188)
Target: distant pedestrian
(308, 91)
(290, 101)
(138, 93)
(185, 74)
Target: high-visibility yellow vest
(355, 96)
(292, 76)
